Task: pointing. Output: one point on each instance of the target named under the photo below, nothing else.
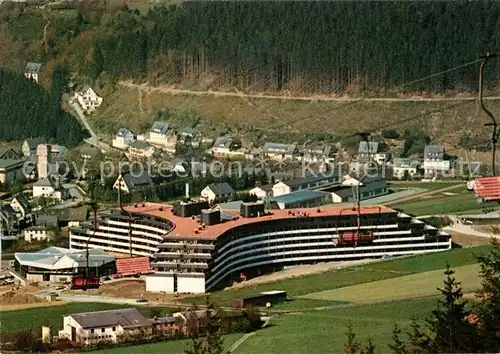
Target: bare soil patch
(19, 297)
(130, 289)
(468, 240)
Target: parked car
(141, 300)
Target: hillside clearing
(415, 285)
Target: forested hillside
(28, 110)
(308, 46)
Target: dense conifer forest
(28, 110)
(302, 46)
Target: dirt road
(175, 91)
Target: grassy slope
(464, 200)
(171, 347)
(410, 286)
(52, 316)
(324, 331)
(122, 106)
(355, 275)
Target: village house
(47, 220)
(434, 162)
(375, 188)
(30, 145)
(11, 171)
(263, 191)
(226, 146)
(279, 152)
(32, 71)
(92, 327)
(371, 151)
(140, 149)
(38, 233)
(47, 188)
(7, 153)
(21, 206)
(319, 153)
(403, 168)
(161, 135)
(218, 191)
(123, 139)
(129, 182)
(88, 99)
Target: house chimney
(187, 190)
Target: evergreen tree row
(302, 46)
(27, 110)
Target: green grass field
(170, 347)
(409, 286)
(323, 332)
(52, 316)
(441, 203)
(352, 276)
(398, 186)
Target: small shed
(261, 299)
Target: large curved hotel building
(195, 249)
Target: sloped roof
(33, 67)
(46, 220)
(136, 179)
(23, 202)
(348, 191)
(160, 127)
(434, 151)
(9, 153)
(287, 149)
(265, 187)
(140, 145)
(312, 179)
(6, 163)
(44, 182)
(127, 318)
(34, 142)
(223, 141)
(221, 188)
(299, 196)
(123, 132)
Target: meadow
(35, 318)
(388, 269)
(409, 286)
(462, 200)
(321, 332)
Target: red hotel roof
(185, 227)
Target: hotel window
(102, 330)
(91, 331)
(114, 329)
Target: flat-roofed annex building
(56, 264)
(193, 254)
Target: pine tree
(488, 309)
(397, 346)
(419, 341)
(448, 323)
(352, 346)
(369, 348)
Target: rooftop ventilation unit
(252, 210)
